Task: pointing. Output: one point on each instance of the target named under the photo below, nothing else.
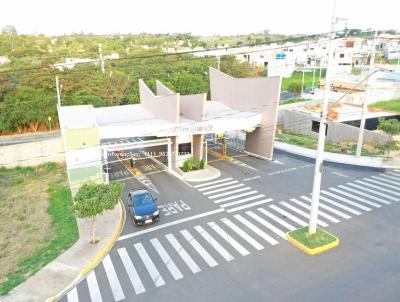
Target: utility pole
(101, 60)
(313, 76)
(58, 93)
(312, 228)
(218, 62)
(365, 102)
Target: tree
(93, 199)
(295, 88)
(390, 127)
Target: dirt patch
(25, 224)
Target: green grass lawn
(36, 223)
(292, 138)
(297, 77)
(293, 100)
(392, 105)
(320, 238)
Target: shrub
(201, 165)
(295, 88)
(186, 167)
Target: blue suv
(142, 207)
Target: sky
(201, 17)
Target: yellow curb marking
(313, 251)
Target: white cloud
(199, 17)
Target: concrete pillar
(197, 146)
(174, 152)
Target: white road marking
(94, 290)
(276, 219)
(165, 225)
(249, 205)
(387, 180)
(199, 248)
(148, 263)
(339, 205)
(241, 200)
(340, 174)
(320, 213)
(278, 162)
(302, 213)
(389, 176)
(251, 178)
(266, 224)
(236, 245)
(131, 271)
(116, 288)
(72, 295)
(212, 182)
(324, 206)
(383, 184)
(373, 191)
(288, 215)
(184, 255)
(223, 189)
(379, 188)
(256, 230)
(229, 193)
(223, 252)
(337, 197)
(169, 263)
(235, 196)
(242, 164)
(219, 185)
(242, 234)
(356, 198)
(365, 194)
(394, 174)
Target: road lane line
(256, 230)
(320, 213)
(365, 194)
(169, 263)
(276, 219)
(266, 224)
(113, 279)
(288, 215)
(229, 193)
(218, 186)
(222, 189)
(387, 181)
(379, 188)
(94, 290)
(235, 196)
(168, 224)
(184, 255)
(148, 263)
(373, 204)
(249, 205)
(324, 206)
(236, 245)
(131, 271)
(241, 201)
(223, 252)
(373, 191)
(337, 197)
(212, 182)
(199, 248)
(383, 184)
(302, 213)
(72, 295)
(243, 234)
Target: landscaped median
(317, 243)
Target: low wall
(301, 123)
(32, 153)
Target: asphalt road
(27, 138)
(223, 240)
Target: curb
(96, 259)
(313, 251)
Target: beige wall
(162, 89)
(255, 95)
(193, 106)
(33, 153)
(198, 146)
(164, 107)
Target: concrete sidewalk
(67, 269)
(366, 161)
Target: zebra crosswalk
(142, 265)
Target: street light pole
(365, 103)
(312, 228)
(313, 76)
